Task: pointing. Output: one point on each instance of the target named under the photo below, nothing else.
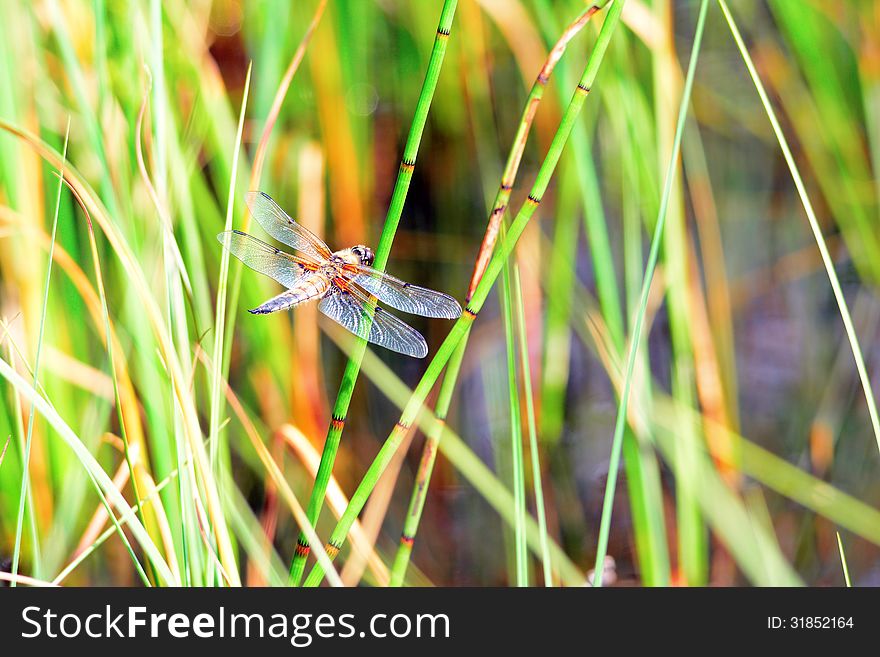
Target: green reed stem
(533, 431)
(426, 466)
(461, 327)
(635, 341)
(516, 448)
(463, 460)
(450, 379)
(383, 250)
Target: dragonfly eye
(365, 253)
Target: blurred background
(750, 450)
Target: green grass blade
(636, 339)
(843, 562)
(99, 280)
(19, 431)
(107, 533)
(546, 561)
(217, 400)
(103, 484)
(691, 535)
(516, 447)
(25, 478)
(814, 225)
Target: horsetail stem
(383, 250)
(463, 324)
(450, 378)
(502, 197)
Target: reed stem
(499, 206)
(383, 250)
(481, 292)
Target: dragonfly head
(365, 253)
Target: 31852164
(810, 622)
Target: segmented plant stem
(450, 378)
(493, 270)
(426, 466)
(502, 197)
(383, 250)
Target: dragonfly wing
(405, 296)
(264, 258)
(353, 311)
(283, 228)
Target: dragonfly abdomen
(308, 289)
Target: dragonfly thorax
(343, 282)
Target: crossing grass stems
(481, 292)
(450, 377)
(382, 252)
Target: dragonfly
(344, 282)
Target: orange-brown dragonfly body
(343, 280)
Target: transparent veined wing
(264, 258)
(283, 228)
(353, 310)
(405, 296)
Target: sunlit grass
(153, 433)
(843, 561)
